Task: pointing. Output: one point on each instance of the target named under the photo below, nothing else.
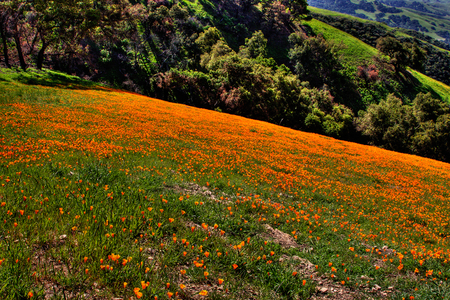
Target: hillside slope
(355, 53)
(106, 194)
(432, 19)
(265, 60)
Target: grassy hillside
(355, 52)
(355, 49)
(436, 87)
(105, 193)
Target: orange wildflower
(144, 284)
(137, 292)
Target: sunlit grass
(432, 85)
(354, 51)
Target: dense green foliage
(252, 58)
(421, 128)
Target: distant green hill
(431, 18)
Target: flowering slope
(313, 186)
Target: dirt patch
(194, 189)
(54, 290)
(192, 291)
(283, 239)
(326, 287)
(45, 265)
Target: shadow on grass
(50, 78)
(413, 86)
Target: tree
(298, 7)
(246, 4)
(417, 57)
(4, 20)
(389, 124)
(14, 21)
(66, 24)
(208, 38)
(433, 131)
(394, 49)
(443, 137)
(314, 59)
(255, 46)
(427, 108)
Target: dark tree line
(39, 28)
(422, 128)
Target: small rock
(376, 287)
(391, 288)
(323, 290)
(63, 237)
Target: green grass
(354, 52)
(46, 77)
(201, 8)
(432, 85)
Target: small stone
(323, 290)
(376, 287)
(63, 237)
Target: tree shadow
(54, 79)
(413, 86)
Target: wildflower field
(108, 194)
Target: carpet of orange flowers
(383, 196)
